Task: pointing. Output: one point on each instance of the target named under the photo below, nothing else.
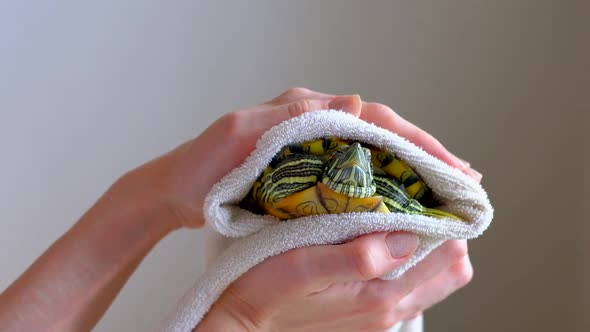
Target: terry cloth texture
(240, 239)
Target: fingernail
(461, 163)
(475, 174)
(345, 103)
(401, 244)
(465, 167)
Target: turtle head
(349, 172)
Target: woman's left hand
(182, 178)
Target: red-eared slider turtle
(333, 175)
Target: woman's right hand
(336, 287)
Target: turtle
(335, 175)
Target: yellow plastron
(322, 200)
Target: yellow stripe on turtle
(395, 167)
(322, 147)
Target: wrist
(163, 192)
(132, 206)
(230, 313)
(142, 194)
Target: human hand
(181, 179)
(334, 288)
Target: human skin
(330, 288)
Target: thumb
(265, 118)
(349, 104)
(365, 258)
(313, 269)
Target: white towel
(239, 239)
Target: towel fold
(239, 239)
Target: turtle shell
(334, 175)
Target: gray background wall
(90, 90)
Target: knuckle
(294, 92)
(363, 261)
(462, 273)
(299, 107)
(232, 123)
(383, 113)
(300, 274)
(380, 108)
(384, 320)
(455, 249)
(423, 136)
(376, 300)
(288, 96)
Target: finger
(239, 131)
(349, 104)
(467, 169)
(364, 258)
(437, 289)
(383, 116)
(305, 271)
(441, 259)
(250, 124)
(294, 94)
(263, 119)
